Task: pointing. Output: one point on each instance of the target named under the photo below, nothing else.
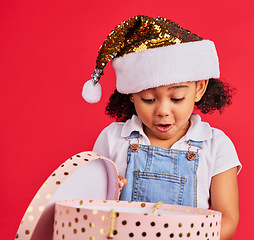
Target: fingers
(122, 181)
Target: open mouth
(164, 127)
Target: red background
(48, 50)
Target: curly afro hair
(120, 107)
(218, 95)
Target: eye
(148, 100)
(176, 100)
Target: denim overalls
(157, 174)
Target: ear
(200, 89)
(131, 97)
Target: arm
(225, 198)
(101, 146)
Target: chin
(164, 137)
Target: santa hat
(149, 52)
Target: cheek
(144, 112)
(182, 113)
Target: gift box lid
(86, 175)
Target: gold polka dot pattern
(138, 222)
(42, 206)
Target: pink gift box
(61, 209)
(86, 175)
(92, 219)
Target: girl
(162, 150)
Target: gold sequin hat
(148, 52)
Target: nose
(163, 109)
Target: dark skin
(218, 95)
(225, 199)
(224, 187)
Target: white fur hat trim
(155, 67)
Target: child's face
(165, 110)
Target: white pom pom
(91, 93)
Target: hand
(122, 181)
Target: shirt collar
(133, 124)
(198, 131)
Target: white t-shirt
(217, 155)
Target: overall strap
(197, 144)
(134, 141)
(194, 147)
(133, 135)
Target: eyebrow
(177, 87)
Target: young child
(160, 147)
